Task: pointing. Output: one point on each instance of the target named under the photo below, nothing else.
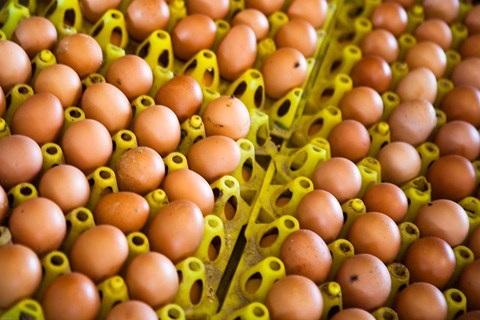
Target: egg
(3, 205)
(142, 17)
(382, 43)
(283, 70)
(353, 313)
(471, 20)
(298, 34)
(390, 16)
(255, 19)
(140, 170)
(474, 242)
(313, 11)
(472, 315)
(94, 10)
(20, 160)
(362, 104)
(469, 284)
(407, 4)
(99, 252)
(365, 282)
(418, 84)
(217, 9)
(294, 297)
(17, 283)
(400, 162)
(388, 199)
(349, 139)
(458, 137)
(373, 72)
(446, 10)
(265, 6)
(152, 278)
(35, 34)
(435, 30)
(15, 67)
(57, 300)
(421, 300)
(469, 47)
(176, 230)
(3, 102)
(466, 73)
(429, 55)
(131, 309)
(131, 74)
(430, 259)
(66, 185)
(462, 103)
(214, 157)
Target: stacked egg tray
(278, 157)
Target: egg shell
(362, 104)
(462, 103)
(429, 55)
(349, 139)
(390, 16)
(131, 309)
(131, 74)
(470, 47)
(388, 199)
(255, 19)
(417, 84)
(145, 16)
(15, 67)
(3, 102)
(380, 42)
(400, 162)
(3, 205)
(93, 10)
(373, 72)
(215, 9)
(458, 137)
(474, 242)
(35, 34)
(314, 11)
(469, 284)
(265, 6)
(435, 30)
(421, 300)
(471, 20)
(298, 34)
(447, 10)
(472, 315)
(353, 313)
(466, 73)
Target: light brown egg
(412, 121)
(131, 74)
(298, 34)
(20, 160)
(362, 104)
(87, 145)
(388, 199)
(382, 43)
(447, 10)
(400, 162)
(152, 278)
(145, 16)
(469, 284)
(80, 52)
(418, 84)
(314, 11)
(353, 313)
(365, 282)
(3, 205)
(20, 274)
(131, 309)
(57, 301)
(99, 252)
(466, 73)
(176, 230)
(451, 177)
(296, 298)
(214, 157)
(163, 139)
(283, 70)
(255, 19)
(227, 116)
(15, 67)
(471, 20)
(217, 9)
(421, 300)
(470, 47)
(340, 177)
(140, 170)
(390, 16)
(373, 72)
(474, 242)
(435, 30)
(458, 137)
(94, 10)
(349, 139)
(265, 6)
(35, 34)
(3, 102)
(472, 315)
(192, 34)
(427, 54)
(182, 94)
(320, 212)
(462, 103)
(407, 4)
(66, 185)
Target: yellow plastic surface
(371, 173)
(471, 205)
(10, 16)
(137, 244)
(123, 141)
(110, 54)
(385, 313)
(111, 28)
(456, 302)
(66, 15)
(332, 299)
(54, 264)
(156, 199)
(42, 60)
(463, 256)
(102, 181)
(70, 115)
(52, 155)
(270, 237)
(4, 128)
(78, 220)
(171, 312)
(252, 311)
(341, 249)
(409, 233)
(113, 290)
(352, 209)
(5, 236)
(418, 192)
(428, 152)
(25, 309)
(193, 130)
(14, 97)
(21, 193)
(203, 67)
(249, 88)
(400, 277)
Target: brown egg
(283, 70)
(447, 10)
(39, 224)
(140, 170)
(353, 313)
(3, 205)
(20, 160)
(217, 9)
(430, 259)
(131, 309)
(214, 157)
(388, 199)
(382, 43)
(320, 212)
(296, 298)
(57, 301)
(435, 30)
(451, 177)
(177, 230)
(469, 48)
(131, 74)
(462, 103)
(349, 139)
(255, 19)
(340, 177)
(474, 242)
(87, 145)
(182, 94)
(421, 300)
(298, 34)
(469, 284)
(427, 54)
(61, 81)
(458, 137)
(66, 185)
(227, 116)
(39, 117)
(373, 72)
(466, 73)
(15, 67)
(192, 34)
(35, 34)
(152, 278)
(412, 121)
(198, 191)
(20, 274)
(163, 139)
(472, 315)
(99, 252)
(365, 282)
(400, 162)
(304, 253)
(362, 104)
(390, 16)
(418, 84)
(407, 4)
(471, 20)
(145, 16)
(313, 11)
(94, 10)
(3, 102)
(265, 6)
(80, 52)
